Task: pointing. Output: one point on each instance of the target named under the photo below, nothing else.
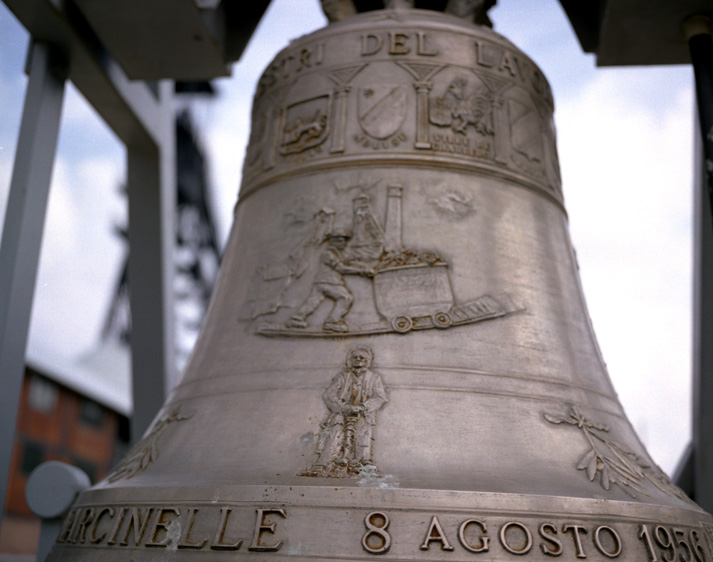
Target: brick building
(69, 416)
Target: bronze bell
(397, 363)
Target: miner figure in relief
(329, 284)
(354, 396)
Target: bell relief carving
(611, 463)
(407, 288)
(353, 398)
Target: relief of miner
(354, 396)
(410, 288)
(329, 284)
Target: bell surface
(397, 363)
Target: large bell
(397, 363)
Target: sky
(625, 140)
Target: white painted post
(22, 231)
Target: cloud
(627, 182)
(80, 257)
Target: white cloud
(627, 180)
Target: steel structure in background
(646, 32)
(22, 231)
(142, 117)
(198, 39)
(85, 43)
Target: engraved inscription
(670, 543)
(145, 452)
(345, 439)
(290, 64)
(511, 66)
(173, 527)
(410, 289)
(475, 101)
(612, 463)
(518, 538)
(403, 533)
(396, 43)
(574, 541)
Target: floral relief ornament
(145, 452)
(612, 463)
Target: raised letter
(305, 59)
(161, 524)
(218, 543)
(660, 532)
(484, 539)
(615, 539)
(93, 532)
(435, 533)
(117, 525)
(397, 44)
(68, 525)
(644, 535)
(366, 48)
(479, 48)
(260, 526)
(81, 532)
(528, 538)
(186, 538)
(376, 524)
(551, 539)
(422, 47)
(577, 540)
(506, 63)
(138, 525)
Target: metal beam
(702, 337)
(168, 38)
(22, 231)
(129, 108)
(151, 182)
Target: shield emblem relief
(525, 131)
(382, 109)
(306, 124)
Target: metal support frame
(702, 450)
(151, 243)
(141, 117)
(694, 472)
(22, 232)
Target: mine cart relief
(611, 463)
(353, 398)
(400, 288)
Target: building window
(33, 455)
(43, 395)
(91, 413)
